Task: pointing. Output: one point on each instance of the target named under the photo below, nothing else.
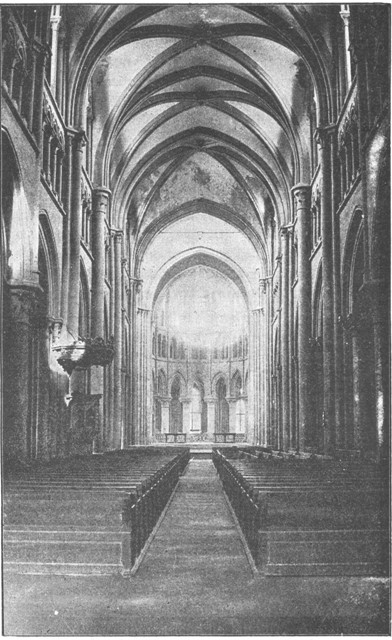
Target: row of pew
(86, 514)
(309, 516)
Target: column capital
(345, 15)
(55, 326)
(118, 235)
(301, 193)
(286, 230)
(324, 134)
(77, 137)
(101, 197)
(263, 282)
(136, 283)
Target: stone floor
(195, 580)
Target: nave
(195, 251)
(195, 575)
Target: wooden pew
(85, 515)
(339, 512)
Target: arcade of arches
(195, 196)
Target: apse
(202, 308)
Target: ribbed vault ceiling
(200, 103)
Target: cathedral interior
(195, 270)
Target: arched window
(159, 345)
(161, 383)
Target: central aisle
(198, 540)
(194, 580)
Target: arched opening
(176, 407)
(359, 347)
(222, 424)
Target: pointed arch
(48, 247)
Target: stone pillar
(346, 17)
(144, 363)
(186, 414)
(165, 414)
(232, 414)
(376, 294)
(18, 373)
(38, 93)
(292, 443)
(55, 20)
(99, 211)
(30, 88)
(67, 191)
(338, 333)
(324, 141)
(117, 408)
(210, 402)
(78, 143)
(284, 338)
(301, 193)
(134, 289)
(100, 205)
(60, 71)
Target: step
(65, 551)
(325, 552)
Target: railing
(175, 437)
(229, 438)
(250, 509)
(142, 509)
(204, 436)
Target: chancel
(195, 278)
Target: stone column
(67, 191)
(143, 372)
(117, 408)
(165, 414)
(284, 338)
(18, 373)
(133, 291)
(99, 212)
(186, 414)
(60, 71)
(292, 443)
(346, 17)
(376, 291)
(30, 87)
(232, 414)
(265, 316)
(78, 143)
(301, 193)
(100, 205)
(210, 402)
(38, 93)
(338, 334)
(55, 20)
(324, 141)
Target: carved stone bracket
(54, 327)
(84, 353)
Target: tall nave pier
(195, 278)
